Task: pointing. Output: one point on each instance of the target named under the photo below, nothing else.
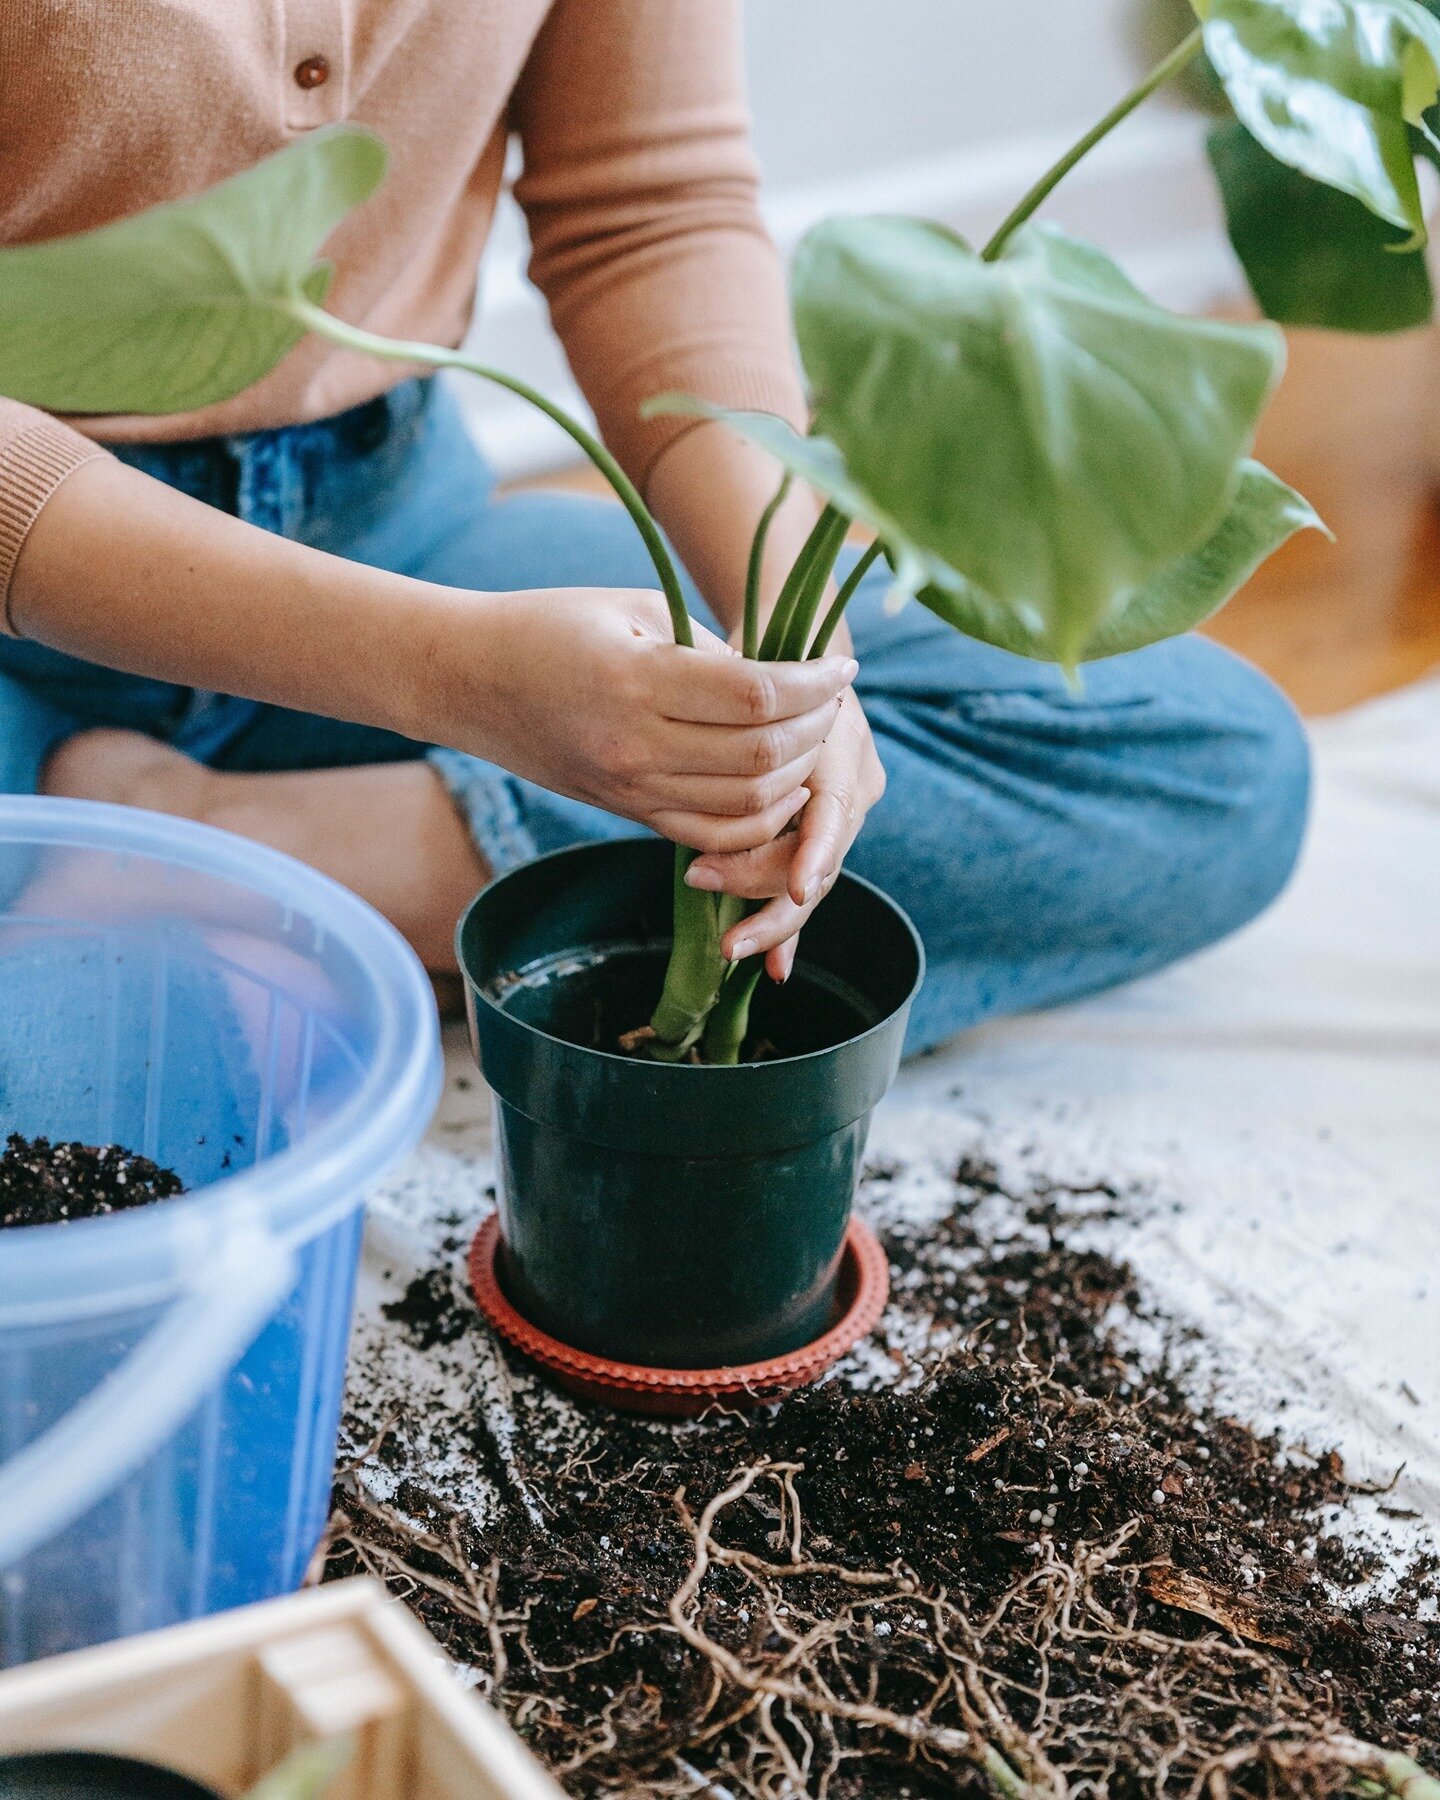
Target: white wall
(944, 107)
(841, 87)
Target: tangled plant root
(787, 1711)
(967, 1587)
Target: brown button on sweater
(639, 187)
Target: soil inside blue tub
(53, 1184)
(593, 999)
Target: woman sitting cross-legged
(305, 615)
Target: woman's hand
(796, 870)
(584, 691)
(580, 689)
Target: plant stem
(843, 598)
(751, 635)
(351, 337)
(1003, 1778)
(729, 1020)
(1386, 1772)
(812, 590)
(785, 606)
(1182, 54)
(696, 972)
(694, 959)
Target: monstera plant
(1308, 241)
(1041, 455)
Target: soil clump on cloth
(1011, 1561)
(54, 1184)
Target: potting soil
(53, 1184)
(1011, 1546)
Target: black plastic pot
(671, 1215)
(89, 1775)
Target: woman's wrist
(450, 649)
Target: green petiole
(811, 590)
(326, 325)
(814, 546)
(729, 1021)
(844, 597)
(1163, 72)
(751, 634)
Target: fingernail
(741, 948)
(852, 668)
(698, 876)
(810, 889)
(788, 961)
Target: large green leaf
(1331, 87)
(173, 308)
(1264, 513)
(1313, 255)
(1036, 423)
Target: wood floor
(1356, 427)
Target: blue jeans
(1046, 845)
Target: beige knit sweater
(639, 187)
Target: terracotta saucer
(683, 1393)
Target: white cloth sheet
(1281, 1093)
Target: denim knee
(1263, 757)
(1050, 846)
(30, 728)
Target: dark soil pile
(1033, 1570)
(52, 1184)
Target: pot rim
(713, 1070)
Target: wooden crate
(225, 1699)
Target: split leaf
(175, 308)
(1034, 423)
(1314, 255)
(1331, 88)
(1263, 514)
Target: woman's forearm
(122, 570)
(582, 690)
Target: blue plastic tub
(170, 1378)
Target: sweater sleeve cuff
(33, 463)
(743, 385)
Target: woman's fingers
(730, 796)
(767, 929)
(761, 874)
(708, 832)
(748, 874)
(709, 689)
(748, 750)
(780, 961)
(847, 780)
(826, 834)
